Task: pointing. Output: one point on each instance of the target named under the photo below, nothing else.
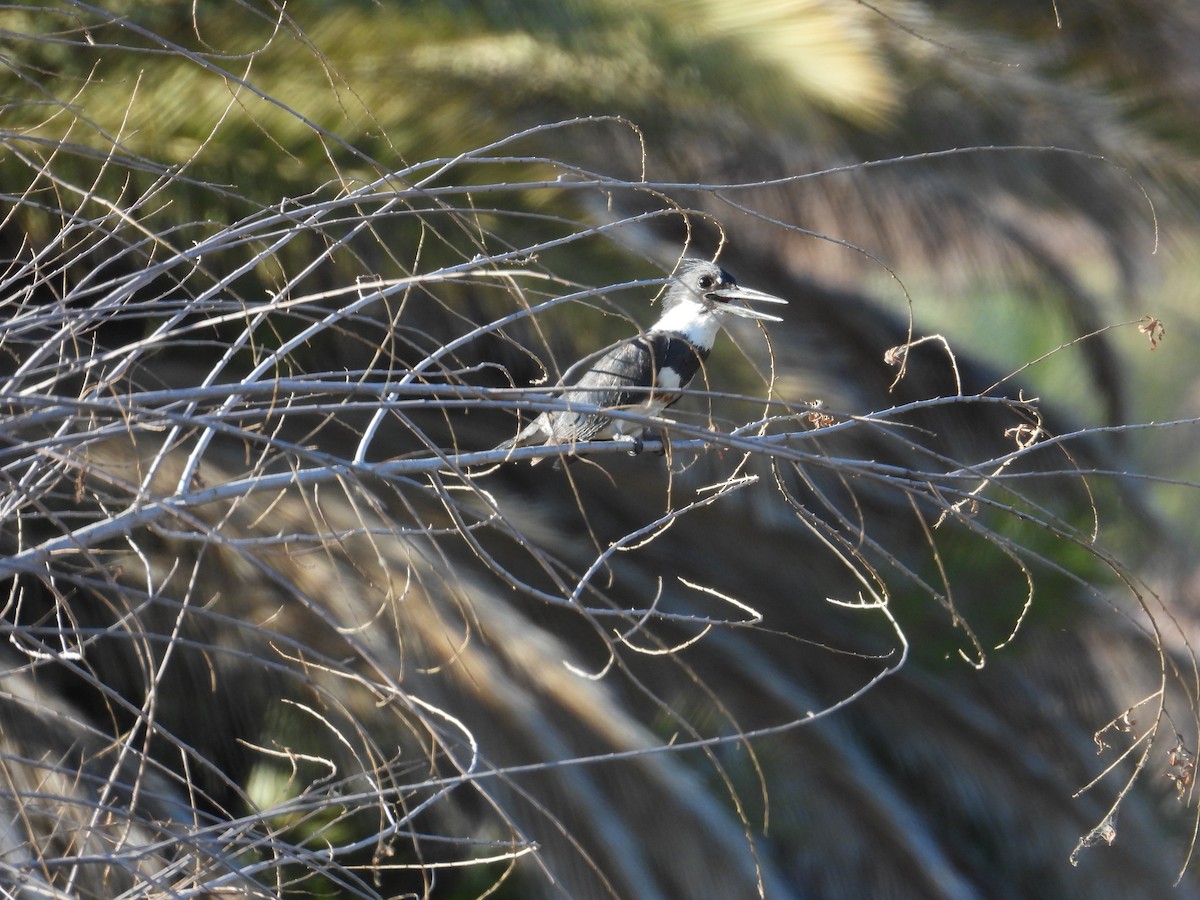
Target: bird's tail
(527, 436)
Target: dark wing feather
(606, 384)
(618, 381)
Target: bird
(648, 372)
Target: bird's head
(702, 287)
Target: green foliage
(274, 283)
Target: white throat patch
(697, 324)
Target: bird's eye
(706, 282)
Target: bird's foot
(635, 443)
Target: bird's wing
(607, 384)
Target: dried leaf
(1152, 327)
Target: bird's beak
(747, 295)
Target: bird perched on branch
(648, 373)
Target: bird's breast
(668, 384)
(676, 361)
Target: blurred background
(274, 276)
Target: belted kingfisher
(647, 373)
